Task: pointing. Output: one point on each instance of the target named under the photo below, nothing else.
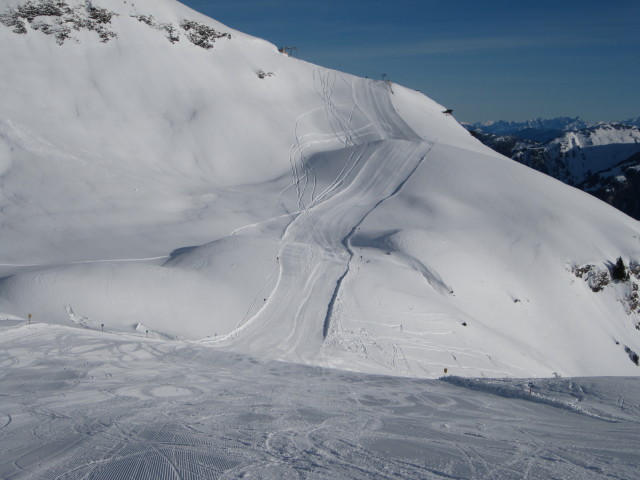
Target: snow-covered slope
(165, 173)
(601, 160)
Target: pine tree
(619, 272)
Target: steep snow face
(179, 178)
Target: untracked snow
(189, 178)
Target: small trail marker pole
(29, 317)
(102, 326)
(445, 371)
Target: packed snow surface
(165, 175)
(81, 404)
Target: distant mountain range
(558, 124)
(602, 159)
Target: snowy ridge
(586, 152)
(253, 202)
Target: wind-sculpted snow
(78, 404)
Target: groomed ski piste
(81, 404)
(315, 250)
(178, 219)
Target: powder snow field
(80, 404)
(260, 204)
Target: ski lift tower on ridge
(288, 51)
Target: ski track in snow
(90, 405)
(80, 262)
(315, 252)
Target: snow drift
(160, 168)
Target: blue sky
(486, 59)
